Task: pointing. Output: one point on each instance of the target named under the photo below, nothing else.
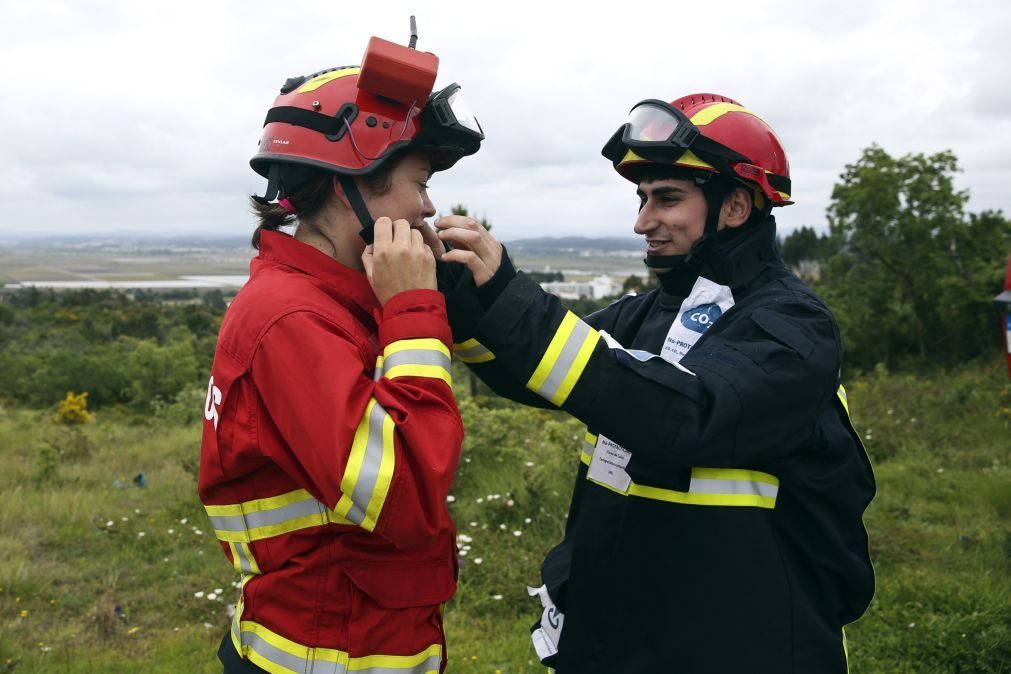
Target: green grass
(940, 532)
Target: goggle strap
(358, 206)
(333, 126)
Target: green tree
(460, 209)
(805, 244)
(914, 274)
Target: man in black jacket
(715, 525)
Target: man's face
(672, 215)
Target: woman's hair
(311, 195)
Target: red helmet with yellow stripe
(704, 132)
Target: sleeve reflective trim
(708, 486)
(367, 478)
(589, 445)
(843, 398)
(268, 517)
(417, 358)
(242, 558)
(274, 653)
(472, 351)
(564, 360)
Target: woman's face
(407, 198)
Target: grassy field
(98, 574)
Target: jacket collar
(735, 260)
(337, 280)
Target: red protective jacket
(330, 440)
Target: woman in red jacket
(331, 435)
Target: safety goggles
(448, 125)
(658, 131)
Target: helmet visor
(449, 128)
(652, 123)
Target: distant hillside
(576, 243)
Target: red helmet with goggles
(350, 120)
(704, 132)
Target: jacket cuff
(414, 314)
(493, 287)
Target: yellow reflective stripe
(712, 112)
(843, 398)
(708, 486)
(845, 649)
(267, 517)
(385, 477)
(589, 444)
(564, 360)
(274, 653)
(317, 82)
(242, 558)
(429, 371)
(689, 158)
(402, 662)
(702, 499)
(427, 343)
(472, 351)
(369, 471)
(277, 654)
(735, 474)
(425, 357)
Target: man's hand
(398, 260)
(473, 246)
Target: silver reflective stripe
(429, 665)
(371, 462)
(294, 663)
(244, 564)
(265, 518)
(708, 486)
(565, 360)
(416, 357)
(475, 353)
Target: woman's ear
(338, 191)
(737, 207)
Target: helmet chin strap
(358, 206)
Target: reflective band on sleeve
(843, 398)
(589, 445)
(708, 486)
(369, 472)
(564, 360)
(242, 558)
(274, 653)
(417, 358)
(267, 517)
(472, 351)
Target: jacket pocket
(405, 586)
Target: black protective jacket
(740, 547)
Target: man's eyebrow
(661, 190)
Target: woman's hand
(473, 246)
(398, 260)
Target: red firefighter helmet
(326, 121)
(704, 132)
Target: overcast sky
(141, 117)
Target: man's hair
(712, 183)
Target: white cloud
(119, 116)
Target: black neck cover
(736, 257)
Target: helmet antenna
(414, 34)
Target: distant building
(597, 289)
